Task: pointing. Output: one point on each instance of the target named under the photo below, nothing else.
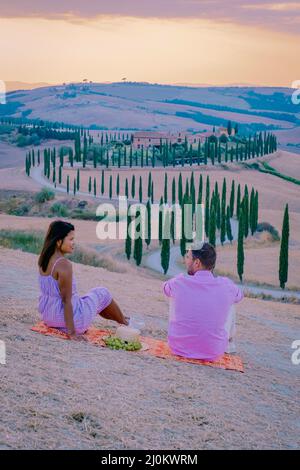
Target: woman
(59, 303)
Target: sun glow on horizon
(152, 50)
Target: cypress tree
(126, 188)
(187, 188)
(84, 151)
(118, 185)
(199, 152)
(223, 212)
(110, 187)
(78, 179)
(284, 249)
(141, 190)
(193, 192)
(216, 189)
(133, 186)
(200, 190)
(166, 189)
(191, 154)
(252, 211)
(228, 225)
(149, 184)
(128, 241)
(74, 186)
(183, 237)
(238, 201)
(232, 197)
(212, 153)
(45, 162)
(102, 182)
(59, 174)
(95, 186)
(165, 247)
(94, 158)
(138, 243)
(160, 220)
(148, 222)
(218, 210)
(226, 152)
(207, 202)
(68, 184)
(180, 195)
(219, 152)
(61, 157)
(90, 184)
(172, 226)
(246, 211)
(240, 245)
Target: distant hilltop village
(155, 139)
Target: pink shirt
(199, 309)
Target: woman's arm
(65, 286)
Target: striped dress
(85, 308)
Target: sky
(213, 42)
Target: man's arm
(169, 286)
(167, 289)
(237, 293)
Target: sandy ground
(286, 163)
(12, 156)
(65, 395)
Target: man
(201, 316)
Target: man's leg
(230, 327)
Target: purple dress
(85, 308)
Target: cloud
(280, 16)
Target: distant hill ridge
(156, 107)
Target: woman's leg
(113, 312)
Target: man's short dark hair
(206, 253)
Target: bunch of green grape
(117, 343)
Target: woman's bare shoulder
(62, 269)
(64, 265)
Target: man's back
(200, 305)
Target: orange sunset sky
(178, 41)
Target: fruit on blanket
(114, 342)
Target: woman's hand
(73, 336)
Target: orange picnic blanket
(157, 347)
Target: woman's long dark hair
(57, 230)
